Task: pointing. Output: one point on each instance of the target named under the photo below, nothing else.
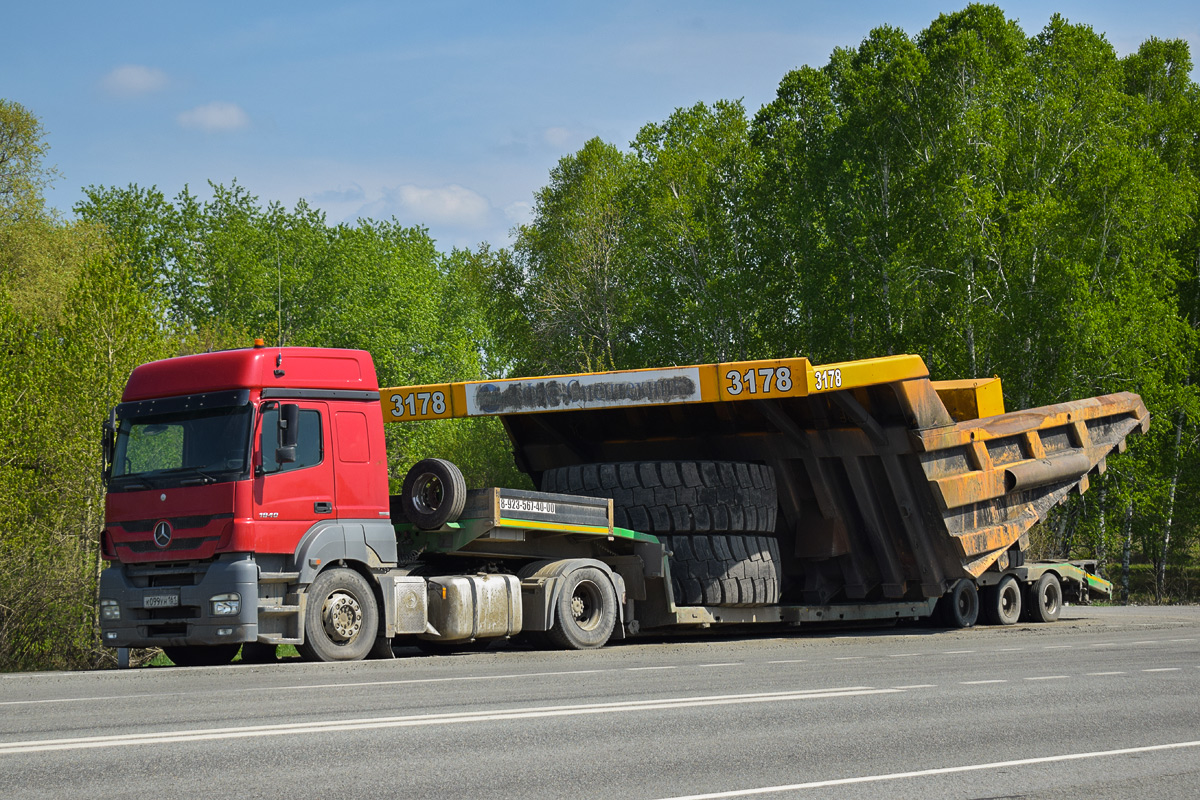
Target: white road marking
(976, 683)
(722, 664)
(936, 771)
(1183, 640)
(536, 712)
(1010, 649)
(956, 652)
(1148, 641)
(1163, 669)
(644, 669)
(311, 686)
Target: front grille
(173, 630)
(178, 523)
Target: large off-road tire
(677, 496)
(722, 570)
(1044, 599)
(341, 622)
(960, 605)
(434, 493)
(202, 655)
(585, 612)
(1002, 602)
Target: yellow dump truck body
(890, 485)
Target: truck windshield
(184, 448)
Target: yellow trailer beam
(706, 383)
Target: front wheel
(341, 622)
(586, 611)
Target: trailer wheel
(677, 496)
(434, 493)
(342, 621)
(1002, 602)
(1045, 598)
(202, 655)
(729, 571)
(585, 612)
(960, 605)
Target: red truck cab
(211, 497)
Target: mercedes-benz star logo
(162, 534)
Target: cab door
(291, 497)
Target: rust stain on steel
(1018, 422)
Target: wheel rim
(966, 603)
(430, 493)
(1008, 601)
(342, 617)
(586, 605)
(1050, 600)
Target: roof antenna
(278, 312)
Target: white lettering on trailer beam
(572, 392)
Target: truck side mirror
(108, 442)
(289, 433)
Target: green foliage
(996, 202)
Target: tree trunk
(1160, 574)
(1125, 552)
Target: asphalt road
(1105, 703)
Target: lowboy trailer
(248, 504)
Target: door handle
(322, 507)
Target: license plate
(160, 601)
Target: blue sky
(448, 115)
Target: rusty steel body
(887, 492)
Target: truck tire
(1045, 598)
(721, 570)
(1002, 602)
(341, 622)
(960, 605)
(677, 496)
(434, 493)
(202, 655)
(585, 612)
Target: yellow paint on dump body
(709, 383)
(971, 399)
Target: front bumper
(136, 588)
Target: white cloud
(518, 212)
(130, 80)
(350, 194)
(557, 137)
(214, 117)
(446, 205)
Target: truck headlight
(110, 610)
(226, 605)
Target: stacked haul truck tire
(248, 504)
